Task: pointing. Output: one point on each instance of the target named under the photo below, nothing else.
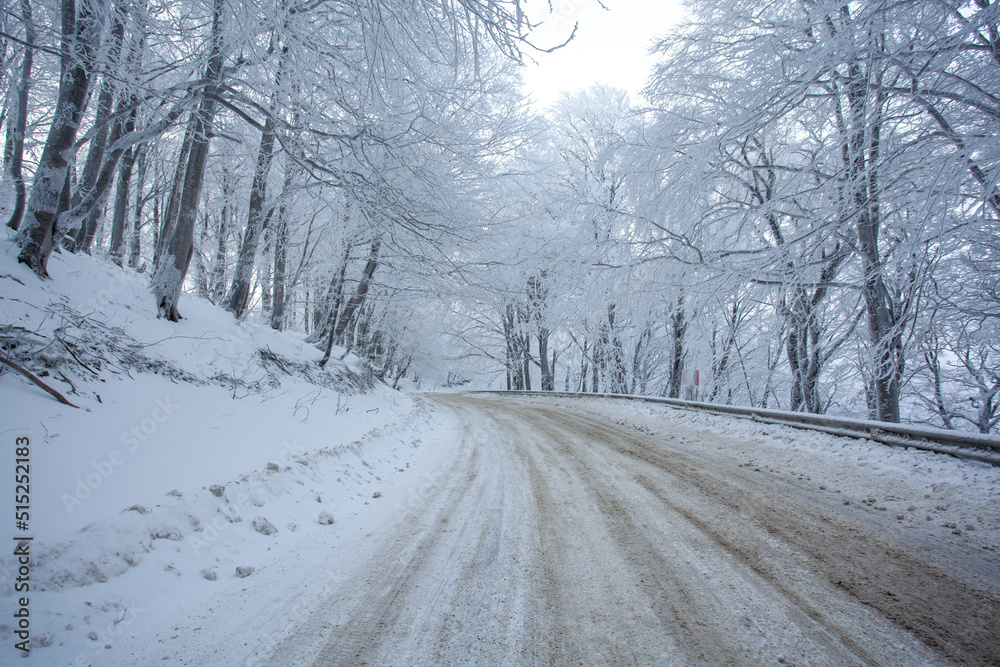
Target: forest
(803, 207)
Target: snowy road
(560, 537)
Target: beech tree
(81, 33)
(179, 246)
(806, 211)
(791, 140)
(18, 118)
(461, 27)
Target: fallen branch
(69, 349)
(31, 376)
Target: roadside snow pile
(145, 562)
(185, 434)
(306, 487)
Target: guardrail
(963, 444)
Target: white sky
(610, 46)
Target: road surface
(559, 537)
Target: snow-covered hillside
(191, 442)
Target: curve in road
(558, 537)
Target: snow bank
(185, 434)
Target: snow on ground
(941, 496)
(122, 513)
(162, 584)
(207, 447)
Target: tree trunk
(596, 363)
(793, 348)
(679, 328)
(547, 369)
(526, 360)
(65, 197)
(280, 259)
(537, 306)
(80, 36)
(884, 337)
(264, 270)
(257, 218)
(83, 236)
(353, 305)
(617, 370)
(169, 277)
(239, 290)
(356, 301)
(19, 122)
(88, 207)
(333, 300)
(118, 217)
(156, 226)
(638, 367)
(135, 237)
(509, 326)
(217, 280)
(305, 315)
(932, 358)
(165, 229)
(122, 137)
(117, 249)
(201, 277)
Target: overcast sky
(610, 46)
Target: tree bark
(356, 301)
(19, 122)
(135, 237)
(514, 381)
(617, 370)
(333, 301)
(257, 218)
(80, 36)
(547, 368)
(118, 218)
(165, 230)
(281, 256)
(525, 341)
(169, 277)
(537, 305)
(217, 280)
(264, 269)
(884, 336)
(83, 237)
(121, 139)
(678, 329)
(239, 290)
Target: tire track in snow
(561, 538)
